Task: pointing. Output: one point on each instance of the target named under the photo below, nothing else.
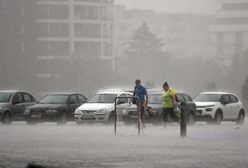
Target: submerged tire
(241, 117)
(218, 118)
(62, 119)
(111, 119)
(6, 120)
(191, 119)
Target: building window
(86, 12)
(88, 30)
(235, 6)
(220, 37)
(233, 20)
(88, 49)
(107, 49)
(46, 11)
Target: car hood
(95, 106)
(3, 104)
(205, 104)
(46, 106)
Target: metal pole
(139, 113)
(183, 124)
(115, 113)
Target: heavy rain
(123, 83)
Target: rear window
(234, 99)
(5, 96)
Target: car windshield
(207, 98)
(155, 99)
(102, 98)
(54, 99)
(5, 96)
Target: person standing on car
(141, 93)
(169, 103)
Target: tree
(244, 90)
(143, 43)
(144, 52)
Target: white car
(219, 106)
(100, 106)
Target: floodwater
(95, 145)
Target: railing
(183, 123)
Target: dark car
(58, 107)
(13, 103)
(154, 110)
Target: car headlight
(52, 111)
(102, 111)
(209, 109)
(1, 108)
(77, 111)
(27, 111)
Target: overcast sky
(192, 6)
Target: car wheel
(62, 119)
(30, 122)
(111, 119)
(6, 118)
(241, 117)
(218, 118)
(191, 119)
(79, 123)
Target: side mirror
(72, 102)
(15, 102)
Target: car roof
(63, 93)
(113, 91)
(161, 92)
(217, 93)
(13, 91)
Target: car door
(73, 103)
(82, 99)
(17, 107)
(235, 106)
(180, 98)
(122, 104)
(226, 107)
(28, 99)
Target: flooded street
(96, 146)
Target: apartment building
(74, 29)
(230, 33)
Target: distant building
(230, 33)
(74, 29)
(39, 38)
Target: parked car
(154, 110)
(100, 106)
(58, 107)
(13, 104)
(219, 106)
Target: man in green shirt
(168, 102)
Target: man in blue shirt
(141, 93)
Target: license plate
(35, 115)
(88, 116)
